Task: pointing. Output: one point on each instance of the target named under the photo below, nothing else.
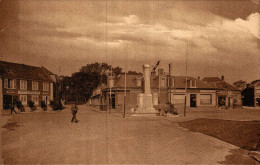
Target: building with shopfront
(19, 82)
(164, 89)
(228, 96)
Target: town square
(129, 82)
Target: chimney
(160, 71)
(170, 69)
(222, 78)
(170, 74)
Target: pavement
(103, 138)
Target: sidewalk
(3, 120)
(248, 108)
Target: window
(257, 91)
(162, 82)
(35, 99)
(23, 99)
(35, 85)
(23, 84)
(45, 86)
(193, 83)
(9, 83)
(205, 99)
(45, 99)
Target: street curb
(94, 109)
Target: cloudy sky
(222, 37)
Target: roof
(47, 71)
(22, 71)
(253, 83)
(130, 80)
(218, 83)
(211, 79)
(179, 82)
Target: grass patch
(11, 125)
(244, 134)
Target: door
(113, 101)
(7, 101)
(193, 100)
(221, 101)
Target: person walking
(13, 106)
(74, 110)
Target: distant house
(227, 95)
(56, 84)
(251, 94)
(19, 82)
(171, 89)
(198, 94)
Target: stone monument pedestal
(145, 104)
(145, 100)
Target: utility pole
(185, 102)
(110, 90)
(125, 96)
(159, 92)
(170, 82)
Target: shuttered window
(46, 86)
(23, 99)
(35, 85)
(23, 84)
(9, 83)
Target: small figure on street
(74, 110)
(13, 106)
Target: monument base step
(145, 114)
(146, 110)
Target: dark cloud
(68, 34)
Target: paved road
(50, 137)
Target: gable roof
(22, 71)
(253, 83)
(47, 71)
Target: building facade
(164, 89)
(228, 96)
(251, 94)
(19, 82)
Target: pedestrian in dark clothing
(74, 110)
(13, 108)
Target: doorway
(193, 101)
(8, 100)
(113, 101)
(221, 101)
